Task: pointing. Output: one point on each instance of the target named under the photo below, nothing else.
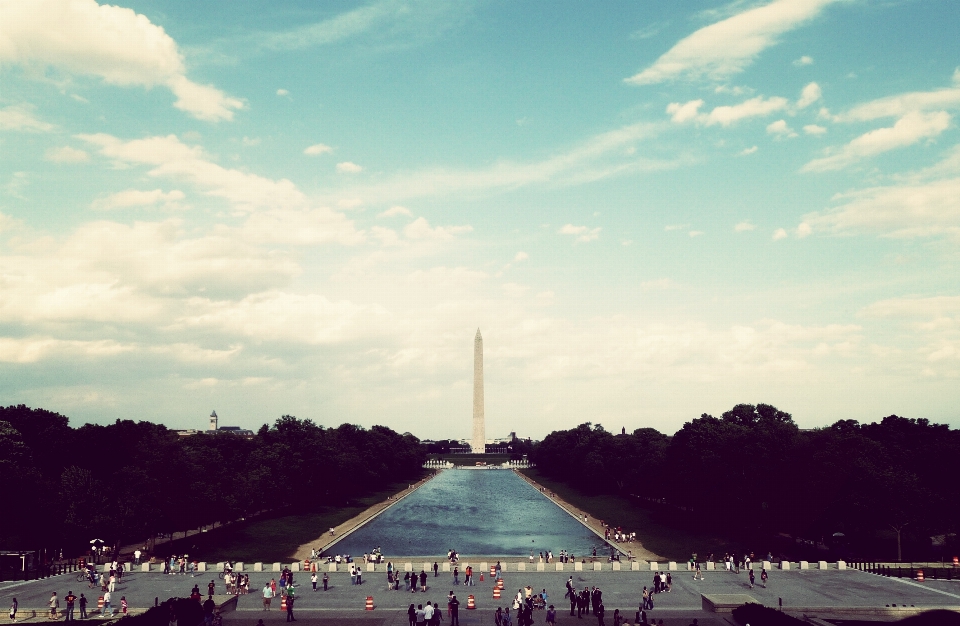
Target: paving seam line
(910, 582)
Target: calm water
(475, 512)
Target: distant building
(213, 421)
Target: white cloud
(601, 156)
(813, 129)
(66, 154)
(779, 234)
(421, 229)
(908, 130)
(582, 233)
(754, 107)
(810, 94)
(780, 129)
(804, 60)
(727, 47)
(397, 210)
(680, 113)
(748, 151)
(695, 233)
(283, 92)
(316, 149)
(744, 226)
(902, 104)
(20, 117)
(114, 43)
(250, 141)
(347, 167)
(137, 198)
(521, 256)
(912, 209)
(804, 230)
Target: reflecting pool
(475, 512)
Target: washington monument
(477, 443)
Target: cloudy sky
(651, 210)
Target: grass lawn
(271, 538)
(654, 532)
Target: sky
(650, 209)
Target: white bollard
(635, 566)
(238, 567)
(578, 566)
(784, 564)
(331, 567)
(841, 565)
(202, 566)
(597, 566)
(276, 567)
(258, 567)
(766, 565)
(144, 567)
(672, 566)
(408, 567)
(371, 567)
(559, 566)
(804, 565)
(540, 567)
(295, 567)
(823, 565)
(521, 567)
(711, 566)
(654, 566)
(616, 566)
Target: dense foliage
(753, 474)
(131, 480)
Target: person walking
(412, 615)
(14, 605)
(107, 596)
(752, 579)
(763, 577)
(697, 574)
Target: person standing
(353, 575)
(123, 605)
(313, 580)
(83, 606)
(423, 581)
(428, 614)
(763, 577)
(290, 598)
(107, 596)
(456, 575)
(326, 581)
(359, 576)
(573, 602)
(454, 611)
(13, 610)
(211, 588)
(267, 594)
(420, 615)
(599, 613)
(54, 604)
(70, 600)
(436, 569)
(136, 556)
(697, 574)
(551, 616)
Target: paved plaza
(344, 602)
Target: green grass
(271, 538)
(656, 533)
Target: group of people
(179, 565)
(71, 604)
(431, 615)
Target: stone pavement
(344, 602)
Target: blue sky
(652, 210)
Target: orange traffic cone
(100, 604)
(500, 584)
(471, 604)
(283, 603)
(369, 603)
(496, 593)
(919, 575)
(481, 575)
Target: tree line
(882, 490)
(127, 481)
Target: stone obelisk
(477, 443)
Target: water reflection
(476, 512)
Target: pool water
(476, 513)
